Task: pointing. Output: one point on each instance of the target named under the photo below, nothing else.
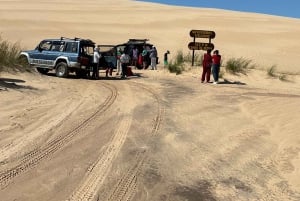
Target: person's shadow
(231, 82)
(9, 83)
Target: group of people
(211, 64)
(135, 58)
(123, 61)
(149, 56)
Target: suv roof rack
(75, 38)
(137, 40)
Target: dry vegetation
(9, 57)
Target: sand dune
(156, 136)
(263, 38)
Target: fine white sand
(159, 136)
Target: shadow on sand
(101, 77)
(9, 83)
(231, 82)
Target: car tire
(43, 71)
(62, 70)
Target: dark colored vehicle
(109, 52)
(63, 55)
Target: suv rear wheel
(62, 69)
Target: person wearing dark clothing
(166, 58)
(206, 63)
(109, 69)
(145, 57)
(153, 56)
(216, 63)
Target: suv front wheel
(62, 69)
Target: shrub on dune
(177, 66)
(238, 65)
(9, 57)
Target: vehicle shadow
(101, 76)
(9, 83)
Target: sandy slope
(267, 40)
(156, 136)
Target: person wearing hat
(96, 58)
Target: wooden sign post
(201, 46)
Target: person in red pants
(216, 63)
(206, 63)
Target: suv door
(86, 52)
(40, 57)
(71, 51)
(108, 56)
(57, 49)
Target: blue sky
(286, 8)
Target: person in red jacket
(216, 63)
(206, 63)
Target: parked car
(63, 55)
(109, 52)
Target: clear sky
(286, 8)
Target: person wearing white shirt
(96, 58)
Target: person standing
(166, 58)
(145, 57)
(96, 58)
(119, 53)
(153, 57)
(125, 59)
(206, 63)
(140, 60)
(216, 63)
(135, 56)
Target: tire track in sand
(125, 188)
(100, 169)
(33, 158)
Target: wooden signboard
(202, 34)
(200, 46)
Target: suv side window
(86, 50)
(45, 45)
(58, 46)
(71, 47)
